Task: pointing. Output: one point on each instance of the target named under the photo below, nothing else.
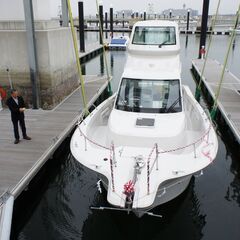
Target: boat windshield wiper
(161, 44)
(167, 110)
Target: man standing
(17, 107)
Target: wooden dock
(229, 98)
(91, 50)
(48, 128)
(19, 163)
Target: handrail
(155, 147)
(201, 139)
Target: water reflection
(111, 62)
(182, 218)
(102, 65)
(83, 67)
(233, 190)
(186, 41)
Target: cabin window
(149, 96)
(154, 36)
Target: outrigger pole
(126, 210)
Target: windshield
(154, 36)
(149, 96)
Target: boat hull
(166, 192)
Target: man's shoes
(16, 141)
(27, 138)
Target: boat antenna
(86, 112)
(214, 108)
(109, 78)
(213, 23)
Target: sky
(226, 7)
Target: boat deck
(229, 99)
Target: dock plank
(46, 127)
(229, 98)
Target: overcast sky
(227, 6)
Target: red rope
(148, 170)
(206, 153)
(91, 141)
(165, 151)
(188, 145)
(111, 167)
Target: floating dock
(48, 129)
(91, 50)
(229, 98)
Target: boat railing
(205, 152)
(113, 163)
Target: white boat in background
(146, 141)
(118, 42)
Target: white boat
(118, 42)
(146, 141)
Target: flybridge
(155, 37)
(154, 51)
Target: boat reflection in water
(181, 218)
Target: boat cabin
(155, 36)
(149, 96)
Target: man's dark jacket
(14, 108)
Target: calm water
(209, 209)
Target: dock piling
(81, 26)
(65, 19)
(111, 22)
(188, 16)
(32, 52)
(203, 26)
(100, 23)
(106, 25)
(144, 16)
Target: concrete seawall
(56, 61)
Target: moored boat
(146, 141)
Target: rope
(91, 141)
(206, 153)
(104, 52)
(188, 145)
(148, 170)
(198, 90)
(214, 108)
(159, 152)
(111, 167)
(77, 58)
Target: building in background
(180, 12)
(127, 13)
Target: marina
(211, 202)
(46, 194)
